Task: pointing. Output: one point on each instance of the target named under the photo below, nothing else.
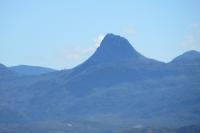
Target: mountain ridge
(31, 70)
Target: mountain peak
(115, 41)
(114, 48)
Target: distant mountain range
(31, 70)
(116, 86)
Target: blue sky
(61, 34)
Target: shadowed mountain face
(116, 85)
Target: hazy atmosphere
(62, 34)
(112, 66)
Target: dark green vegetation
(115, 90)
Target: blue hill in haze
(190, 57)
(31, 70)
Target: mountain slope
(6, 73)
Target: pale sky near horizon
(62, 34)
